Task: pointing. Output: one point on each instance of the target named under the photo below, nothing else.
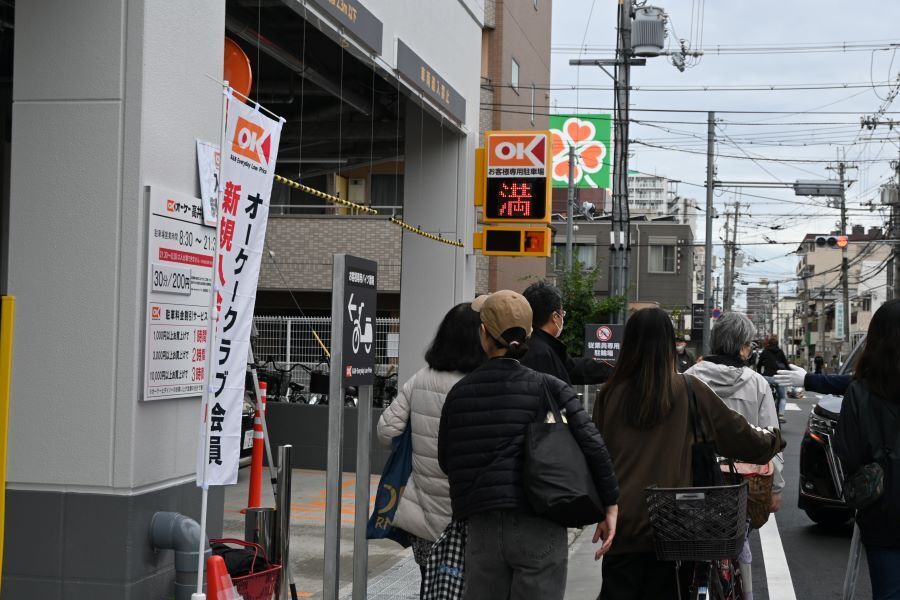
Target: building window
(514, 76)
(662, 259)
(867, 305)
(532, 104)
(586, 255)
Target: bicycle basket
(698, 523)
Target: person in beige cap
(511, 552)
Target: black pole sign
(360, 285)
(698, 315)
(603, 342)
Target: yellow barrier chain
(425, 234)
(324, 196)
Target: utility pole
(571, 208)
(845, 268)
(777, 312)
(894, 232)
(726, 301)
(718, 288)
(820, 321)
(707, 268)
(620, 231)
(733, 250)
(731, 256)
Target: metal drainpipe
(174, 531)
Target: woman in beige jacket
(424, 509)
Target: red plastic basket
(256, 585)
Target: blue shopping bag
(390, 489)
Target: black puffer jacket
(547, 354)
(771, 360)
(864, 427)
(480, 444)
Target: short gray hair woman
(732, 332)
(742, 389)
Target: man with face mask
(546, 353)
(684, 360)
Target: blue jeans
(884, 571)
(781, 400)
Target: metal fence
(290, 341)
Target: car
(821, 473)
(795, 392)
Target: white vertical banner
(247, 171)
(839, 332)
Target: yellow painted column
(7, 313)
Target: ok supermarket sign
(516, 182)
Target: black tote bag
(558, 483)
(703, 452)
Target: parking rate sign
(358, 345)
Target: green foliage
(582, 305)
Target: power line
(737, 49)
(717, 87)
(778, 160)
(679, 110)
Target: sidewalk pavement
(393, 574)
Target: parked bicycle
(278, 379)
(384, 390)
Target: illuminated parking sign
(517, 177)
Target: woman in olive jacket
(869, 431)
(644, 416)
(511, 552)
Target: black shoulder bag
(865, 487)
(703, 452)
(558, 482)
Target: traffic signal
(832, 241)
(514, 241)
(513, 177)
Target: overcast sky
(733, 23)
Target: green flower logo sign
(590, 135)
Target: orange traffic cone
(254, 499)
(218, 582)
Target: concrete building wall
(435, 276)
(109, 97)
(522, 34)
(669, 290)
(77, 251)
